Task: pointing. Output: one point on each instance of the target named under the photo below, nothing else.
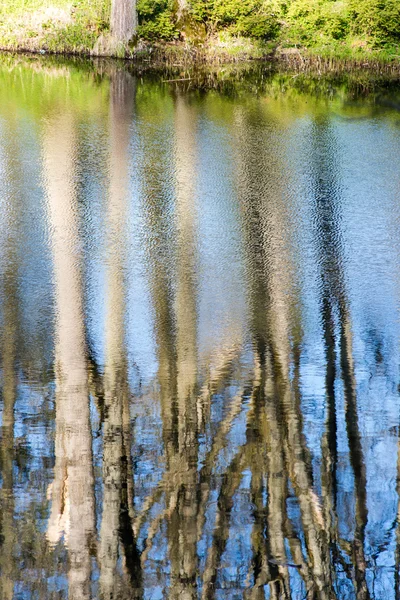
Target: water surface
(199, 336)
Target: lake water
(199, 335)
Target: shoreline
(162, 57)
(284, 37)
(180, 55)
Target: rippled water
(199, 319)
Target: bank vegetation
(181, 31)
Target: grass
(42, 25)
(338, 58)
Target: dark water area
(199, 335)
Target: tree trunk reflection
(72, 510)
(267, 230)
(117, 516)
(333, 297)
(212, 475)
(8, 355)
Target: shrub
(255, 18)
(313, 21)
(156, 20)
(379, 20)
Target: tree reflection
(334, 297)
(238, 500)
(274, 325)
(176, 333)
(116, 529)
(8, 354)
(72, 491)
(274, 451)
(9, 392)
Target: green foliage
(359, 23)
(72, 38)
(156, 20)
(313, 21)
(201, 10)
(378, 20)
(340, 27)
(373, 23)
(252, 18)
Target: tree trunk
(183, 7)
(123, 22)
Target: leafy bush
(379, 20)
(201, 10)
(156, 19)
(313, 21)
(255, 18)
(252, 18)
